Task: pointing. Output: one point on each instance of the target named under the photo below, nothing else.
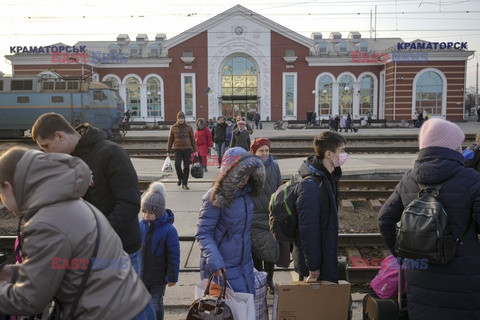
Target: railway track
(283, 153)
(349, 189)
(354, 271)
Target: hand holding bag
(210, 308)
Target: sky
(41, 23)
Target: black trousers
(264, 266)
(183, 155)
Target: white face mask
(342, 159)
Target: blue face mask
(264, 159)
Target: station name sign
(431, 45)
(47, 49)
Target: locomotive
(24, 99)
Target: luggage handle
(400, 289)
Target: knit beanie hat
(440, 133)
(153, 200)
(258, 143)
(241, 123)
(180, 114)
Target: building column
(123, 94)
(335, 97)
(143, 101)
(356, 100)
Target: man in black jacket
(220, 137)
(315, 249)
(114, 187)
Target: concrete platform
(186, 203)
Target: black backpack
(283, 215)
(423, 230)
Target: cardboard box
(297, 300)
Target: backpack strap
(459, 241)
(436, 187)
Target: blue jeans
(157, 291)
(148, 313)
(136, 260)
(220, 146)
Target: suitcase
(375, 308)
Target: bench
(164, 125)
(137, 125)
(296, 124)
(382, 122)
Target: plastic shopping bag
(242, 305)
(167, 165)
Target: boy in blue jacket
(160, 245)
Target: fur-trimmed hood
(237, 164)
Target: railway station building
(240, 62)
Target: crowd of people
(82, 247)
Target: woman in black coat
(452, 290)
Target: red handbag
(208, 308)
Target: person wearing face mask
(315, 247)
(265, 248)
(441, 291)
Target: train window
(22, 85)
(48, 85)
(57, 99)
(60, 85)
(99, 95)
(23, 99)
(72, 85)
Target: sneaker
(185, 187)
(179, 183)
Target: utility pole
(476, 90)
(371, 24)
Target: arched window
(324, 86)
(345, 96)
(239, 87)
(429, 93)
(133, 96)
(366, 95)
(154, 97)
(112, 82)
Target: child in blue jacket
(160, 245)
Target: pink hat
(440, 133)
(241, 123)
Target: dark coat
(316, 242)
(225, 220)
(475, 162)
(240, 139)
(115, 184)
(264, 245)
(219, 133)
(162, 264)
(452, 290)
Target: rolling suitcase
(375, 308)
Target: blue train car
(24, 99)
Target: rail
(353, 274)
